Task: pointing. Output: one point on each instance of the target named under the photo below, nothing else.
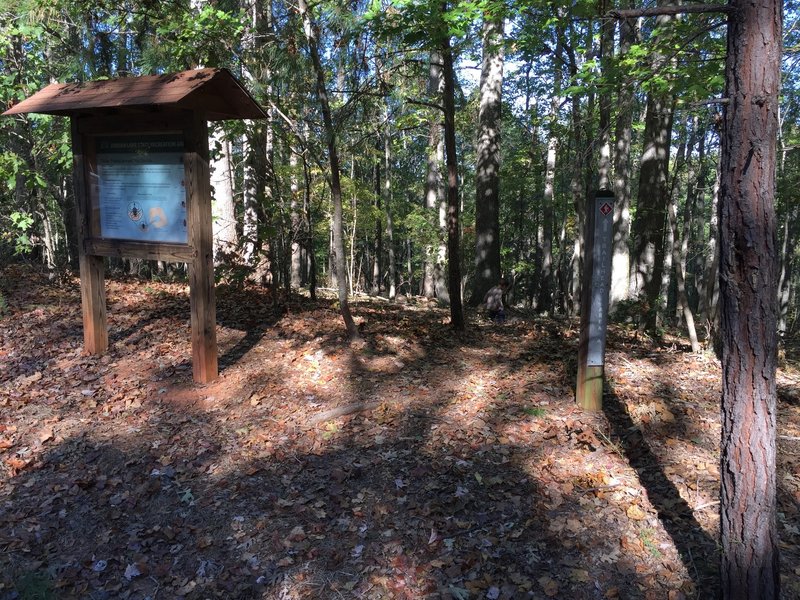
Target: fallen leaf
(132, 571)
(549, 586)
(636, 513)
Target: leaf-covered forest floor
(416, 464)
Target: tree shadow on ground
(697, 549)
(400, 516)
(414, 500)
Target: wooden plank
(201, 270)
(93, 292)
(143, 250)
(160, 123)
(214, 92)
(148, 89)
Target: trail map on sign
(141, 189)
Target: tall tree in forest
(435, 255)
(748, 279)
(620, 261)
(388, 202)
(453, 206)
(225, 238)
(653, 195)
(487, 167)
(311, 33)
(544, 234)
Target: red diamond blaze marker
(605, 208)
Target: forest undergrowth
(416, 463)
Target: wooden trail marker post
(594, 301)
(142, 183)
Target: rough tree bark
(621, 260)
(487, 167)
(453, 206)
(335, 179)
(544, 232)
(225, 238)
(653, 193)
(435, 255)
(748, 279)
(387, 203)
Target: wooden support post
(594, 301)
(93, 291)
(146, 206)
(201, 269)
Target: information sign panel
(141, 188)
(601, 277)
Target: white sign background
(141, 188)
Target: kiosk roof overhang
(215, 93)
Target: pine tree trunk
(544, 233)
(788, 243)
(671, 227)
(487, 167)
(378, 242)
(697, 238)
(335, 179)
(651, 208)
(620, 261)
(605, 100)
(435, 283)
(680, 279)
(250, 193)
(295, 276)
(453, 206)
(225, 238)
(387, 203)
(308, 226)
(576, 265)
(748, 279)
(653, 195)
(712, 264)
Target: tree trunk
(653, 194)
(652, 201)
(351, 263)
(436, 254)
(335, 180)
(453, 206)
(621, 260)
(712, 265)
(697, 241)
(671, 230)
(748, 269)
(387, 203)
(225, 238)
(544, 233)
(788, 244)
(295, 275)
(378, 243)
(487, 167)
(308, 224)
(251, 194)
(680, 279)
(605, 100)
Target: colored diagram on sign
(142, 198)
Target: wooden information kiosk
(142, 183)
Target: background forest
(585, 99)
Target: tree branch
(635, 13)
